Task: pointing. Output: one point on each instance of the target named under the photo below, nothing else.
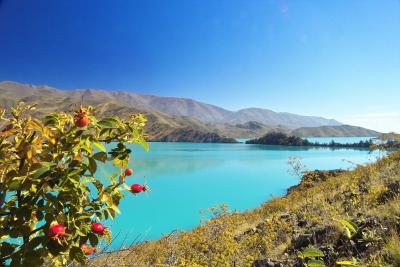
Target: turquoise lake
(186, 178)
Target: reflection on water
(185, 178)
(341, 140)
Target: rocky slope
(188, 135)
(336, 131)
(285, 119)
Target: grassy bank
(330, 218)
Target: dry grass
(393, 249)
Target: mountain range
(176, 119)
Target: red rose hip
(136, 188)
(86, 249)
(56, 230)
(81, 118)
(98, 228)
(128, 172)
(81, 121)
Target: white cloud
(379, 121)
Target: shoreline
(320, 196)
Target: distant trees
(278, 138)
(389, 141)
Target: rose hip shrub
(50, 194)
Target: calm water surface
(187, 177)
(342, 140)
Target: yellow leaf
(29, 154)
(99, 146)
(116, 209)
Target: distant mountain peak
(174, 106)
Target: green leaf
(15, 184)
(106, 198)
(88, 149)
(49, 217)
(349, 227)
(115, 208)
(92, 166)
(348, 233)
(47, 164)
(62, 218)
(80, 232)
(82, 217)
(315, 263)
(107, 235)
(312, 252)
(122, 164)
(106, 123)
(106, 214)
(78, 133)
(93, 239)
(36, 241)
(77, 254)
(50, 119)
(34, 258)
(111, 212)
(144, 144)
(41, 171)
(349, 224)
(100, 156)
(99, 146)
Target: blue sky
(339, 59)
